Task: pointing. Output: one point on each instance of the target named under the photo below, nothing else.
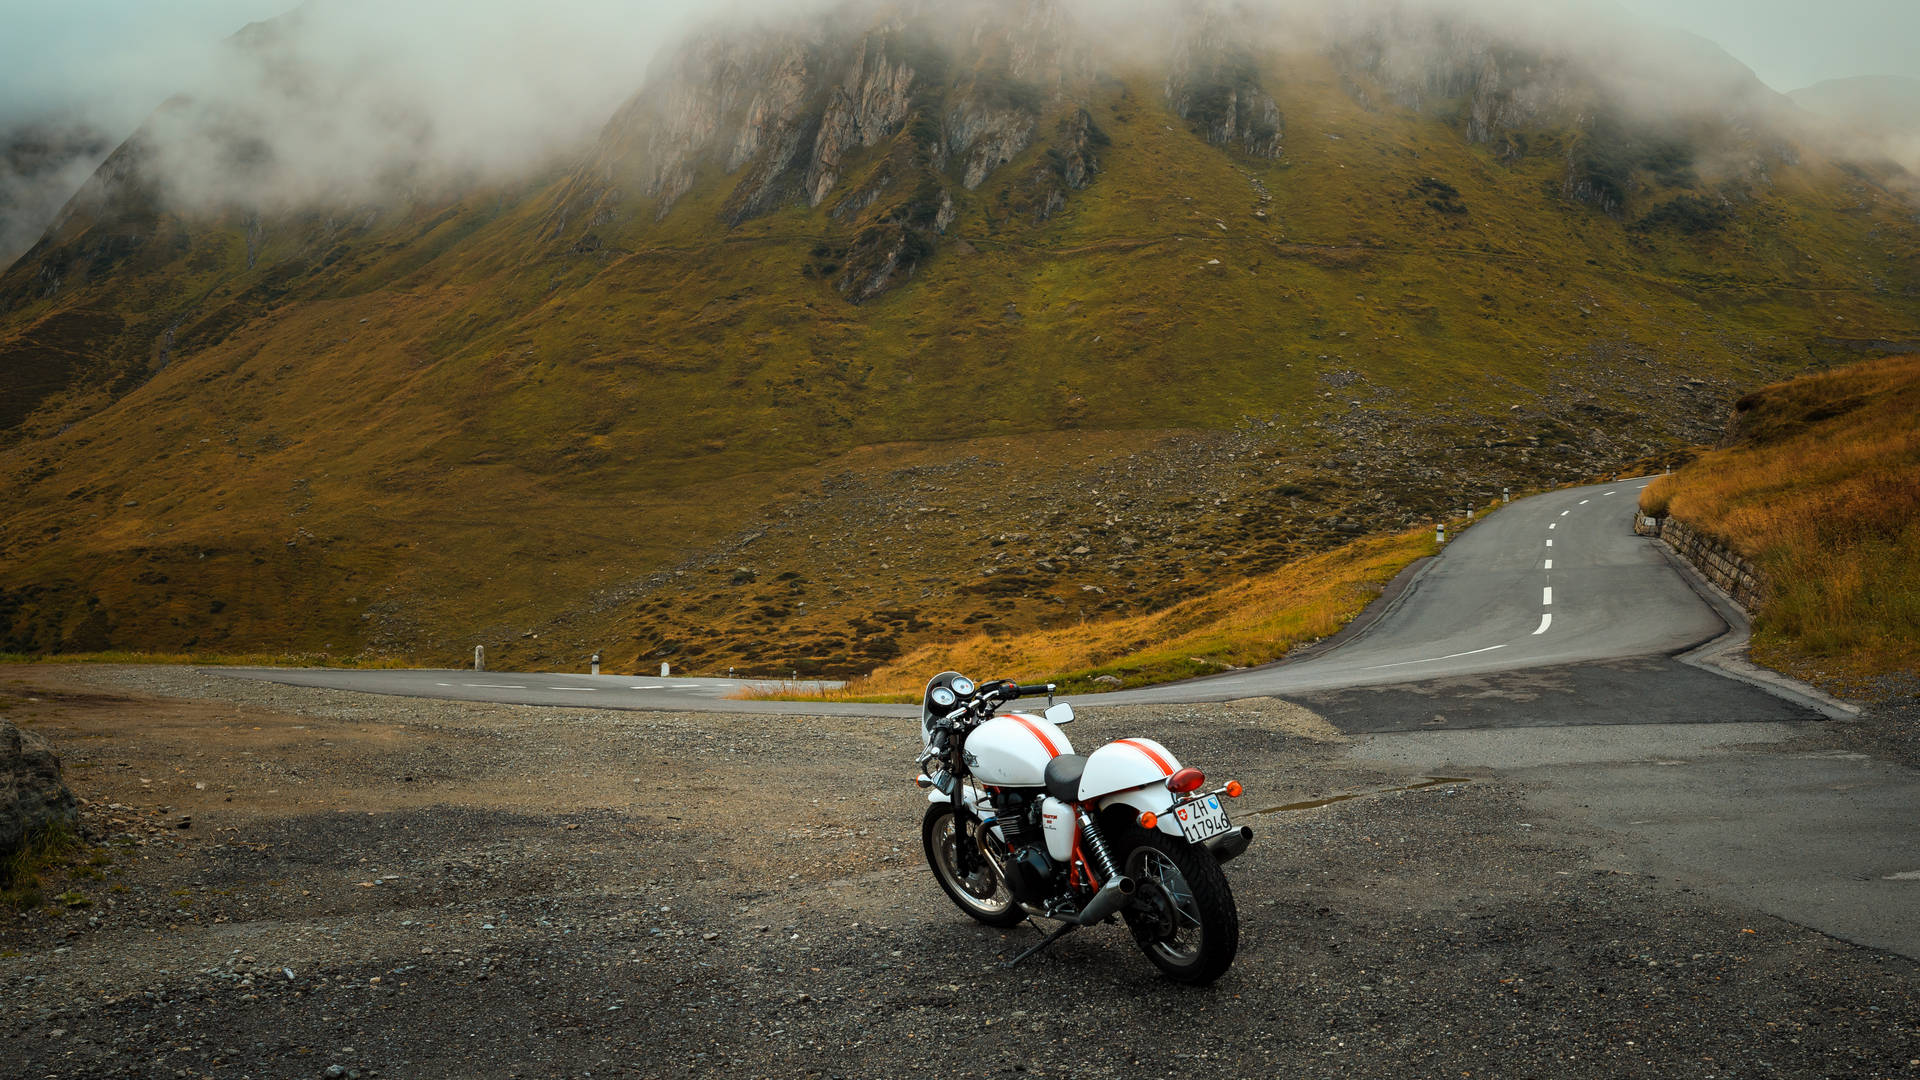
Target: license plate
(1202, 818)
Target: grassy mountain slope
(1819, 484)
(415, 427)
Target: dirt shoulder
(410, 888)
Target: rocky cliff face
(879, 121)
(1214, 85)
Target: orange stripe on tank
(1166, 769)
(1052, 750)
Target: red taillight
(1186, 780)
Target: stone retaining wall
(1716, 562)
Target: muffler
(1230, 843)
(1105, 902)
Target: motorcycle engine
(1032, 876)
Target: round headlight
(942, 696)
(962, 685)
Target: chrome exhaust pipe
(1105, 902)
(1230, 843)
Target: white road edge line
(1546, 620)
(1546, 595)
(1437, 659)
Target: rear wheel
(973, 883)
(1182, 913)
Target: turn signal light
(1148, 819)
(1233, 789)
(923, 781)
(1186, 780)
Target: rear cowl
(1126, 763)
(1013, 750)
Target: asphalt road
(1554, 581)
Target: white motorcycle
(1020, 826)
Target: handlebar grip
(1035, 689)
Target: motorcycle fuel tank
(1013, 750)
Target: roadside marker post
(663, 669)
(1439, 534)
(479, 658)
(596, 663)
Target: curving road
(1557, 581)
(1554, 579)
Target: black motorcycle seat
(1063, 776)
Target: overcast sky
(121, 57)
(1796, 43)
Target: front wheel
(1182, 914)
(977, 886)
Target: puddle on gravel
(1313, 804)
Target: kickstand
(1065, 929)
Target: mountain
(1883, 104)
(852, 331)
(43, 161)
(1874, 119)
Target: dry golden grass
(1247, 622)
(1821, 488)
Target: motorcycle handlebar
(1035, 689)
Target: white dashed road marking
(1549, 564)
(575, 689)
(494, 686)
(1549, 543)
(1584, 502)
(1546, 620)
(1564, 513)
(1546, 595)
(1552, 525)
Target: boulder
(32, 795)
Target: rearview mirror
(1060, 714)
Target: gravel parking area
(309, 883)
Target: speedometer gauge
(962, 685)
(942, 696)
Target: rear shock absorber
(1095, 844)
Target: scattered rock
(33, 797)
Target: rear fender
(1152, 799)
